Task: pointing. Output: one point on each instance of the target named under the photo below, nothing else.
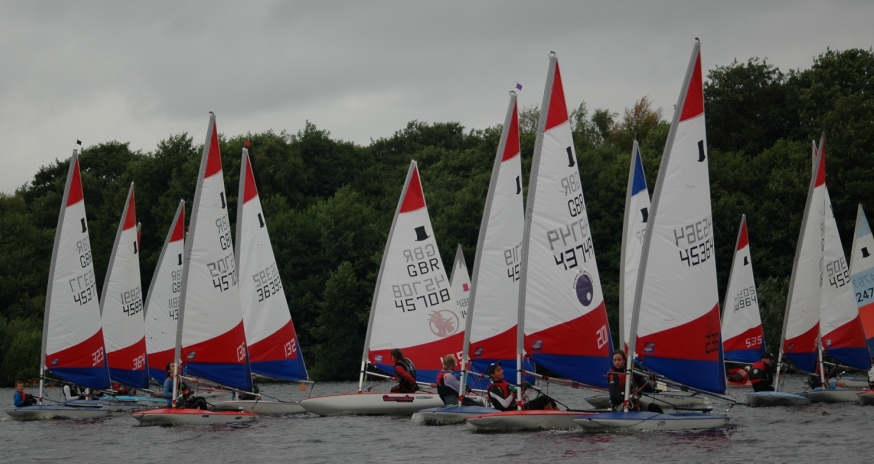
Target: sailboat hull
(866, 398)
(261, 406)
(663, 400)
(387, 404)
(114, 406)
(168, 416)
(770, 398)
(512, 421)
(450, 414)
(833, 395)
(56, 412)
(644, 421)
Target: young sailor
(405, 371)
(616, 383)
(760, 373)
(21, 399)
(502, 393)
(447, 383)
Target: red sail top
(512, 148)
(75, 195)
(694, 104)
(414, 199)
(820, 173)
(131, 219)
(557, 106)
(214, 160)
(179, 230)
(743, 241)
(250, 190)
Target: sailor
(616, 384)
(447, 383)
(405, 371)
(760, 373)
(738, 374)
(21, 399)
(502, 393)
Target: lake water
(815, 433)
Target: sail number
(568, 258)
(422, 294)
(224, 231)
(745, 298)
(267, 282)
(838, 273)
(84, 249)
(290, 348)
(711, 344)
(241, 352)
(753, 341)
(223, 272)
(83, 287)
(97, 357)
(512, 261)
(139, 362)
(132, 302)
(697, 238)
(602, 335)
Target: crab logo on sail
(443, 323)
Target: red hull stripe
(694, 104)
(696, 340)
(130, 220)
(179, 230)
(127, 358)
(75, 195)
(804, 343)
(414, 198)
(572, 338)
(250, 191)
(512, 148)
(90, 353)
(280, 346)
(223, 349)
(214, 159)
(557, 105)
(751, 339)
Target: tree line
(329, 203)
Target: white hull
(769, 398)
(167, 416)
(142, 400)
(114, 406)
(511, 421)
(260, 406)
(389, 404)
(56, 412)
(663, 400)
(650, 421)
(836, 395)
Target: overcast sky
(139, 72)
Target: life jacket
(411, 369)
(760, 365)
(737, 375)
(620, 375)
(442, 389)
(504, 386)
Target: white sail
(742, 335)
(459, 283)
(633, 231)
(413, 308)
(561, 304)
(72, 344)
(210, 331)
(162, 302)
(675, 325)
(274, 350)
(121, 305)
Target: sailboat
(459, 283)
(162, 303)
(842, 336)
(274, 350)
(562, 319)
(743, 340)
(674, 328)
(210, 338)
(637, 205)
(412, 309)
(490, 325)
(862, 274)
(72, 336)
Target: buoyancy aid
(411, 369)
(755, 376)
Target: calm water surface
(815, 433)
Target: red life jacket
(760, 365)
(620, 375)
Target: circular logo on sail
(585, 288)
(443, 323)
